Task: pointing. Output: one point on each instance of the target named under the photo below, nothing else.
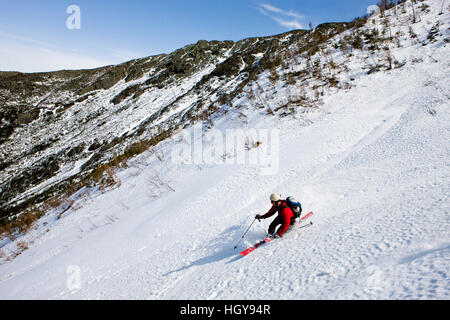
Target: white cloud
(263, 12)
(19, 53)
(273, 9)
(289, 24)
(279, 15)
(122, 55)
(23, 58)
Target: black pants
(276, 222)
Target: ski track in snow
(373, 166)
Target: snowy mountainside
(369, 155)
(56, 128)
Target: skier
(285, 216)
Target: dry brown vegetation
(103, 177)
(22, 223)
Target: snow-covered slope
(372, 163)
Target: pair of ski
(269, 239)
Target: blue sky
(35, 36)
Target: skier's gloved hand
(258, 216)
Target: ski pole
(244, 234)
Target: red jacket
(285, 213)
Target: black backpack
(295, 206)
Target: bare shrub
(158, 153)
(3, 255)
(274, 76)
(158, 186)
(22, 246)
(105, 177)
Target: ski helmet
(275, 197)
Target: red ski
(253, 248)
(266, 240)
